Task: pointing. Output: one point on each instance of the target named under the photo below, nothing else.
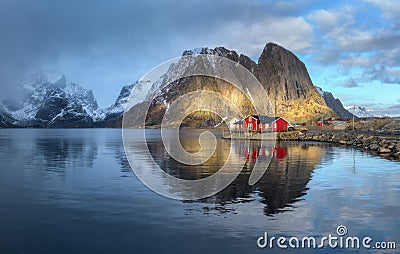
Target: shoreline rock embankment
(384, 145)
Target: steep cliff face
(289, 86)
(280, 72)
(335, 104)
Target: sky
(351, 48)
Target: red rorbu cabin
(324, 123)
(263, 123)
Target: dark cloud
(350, 83)
(395, 108)
(383, 74)
(392, 110)
(102, 43)
(108, 37)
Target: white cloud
(333, 21)
(294, 33)
(360, 61)
(326, 18)
(390, 8)
(348, 41)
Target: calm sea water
(72, 191)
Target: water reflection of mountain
(286, 179)
(56, 151)
(119, 155)
(61, 153)
(284, 183)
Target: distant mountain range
(52, 101)
(48, 102)
(361, 111)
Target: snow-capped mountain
(145, 88)
(48, 101)
(111, 116)
(5, 119)
(123, 97)
(360, 111)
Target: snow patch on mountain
(320, 91)
(141, 91)
(360, 111)
(84, 97)
(49, 92)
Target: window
(250, 126)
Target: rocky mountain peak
(51, 101)
(218, 51)
(275, 53)
(281, 67)
(61, 83)
(289, 86)
(226, 53)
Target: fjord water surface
(72, 191)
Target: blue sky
(349, 47)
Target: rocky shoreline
(387, 146)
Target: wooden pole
(354, 110)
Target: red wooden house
(280, 125)
(263, 123)
(324, 123)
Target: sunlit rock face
(289, 86)
(283, 76)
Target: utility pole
(275, 101)
(354, 110)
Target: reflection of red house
(280, 152)
(263, 123)
(251, 153)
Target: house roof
(238, 122)
(265, 119)
(262, 119)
